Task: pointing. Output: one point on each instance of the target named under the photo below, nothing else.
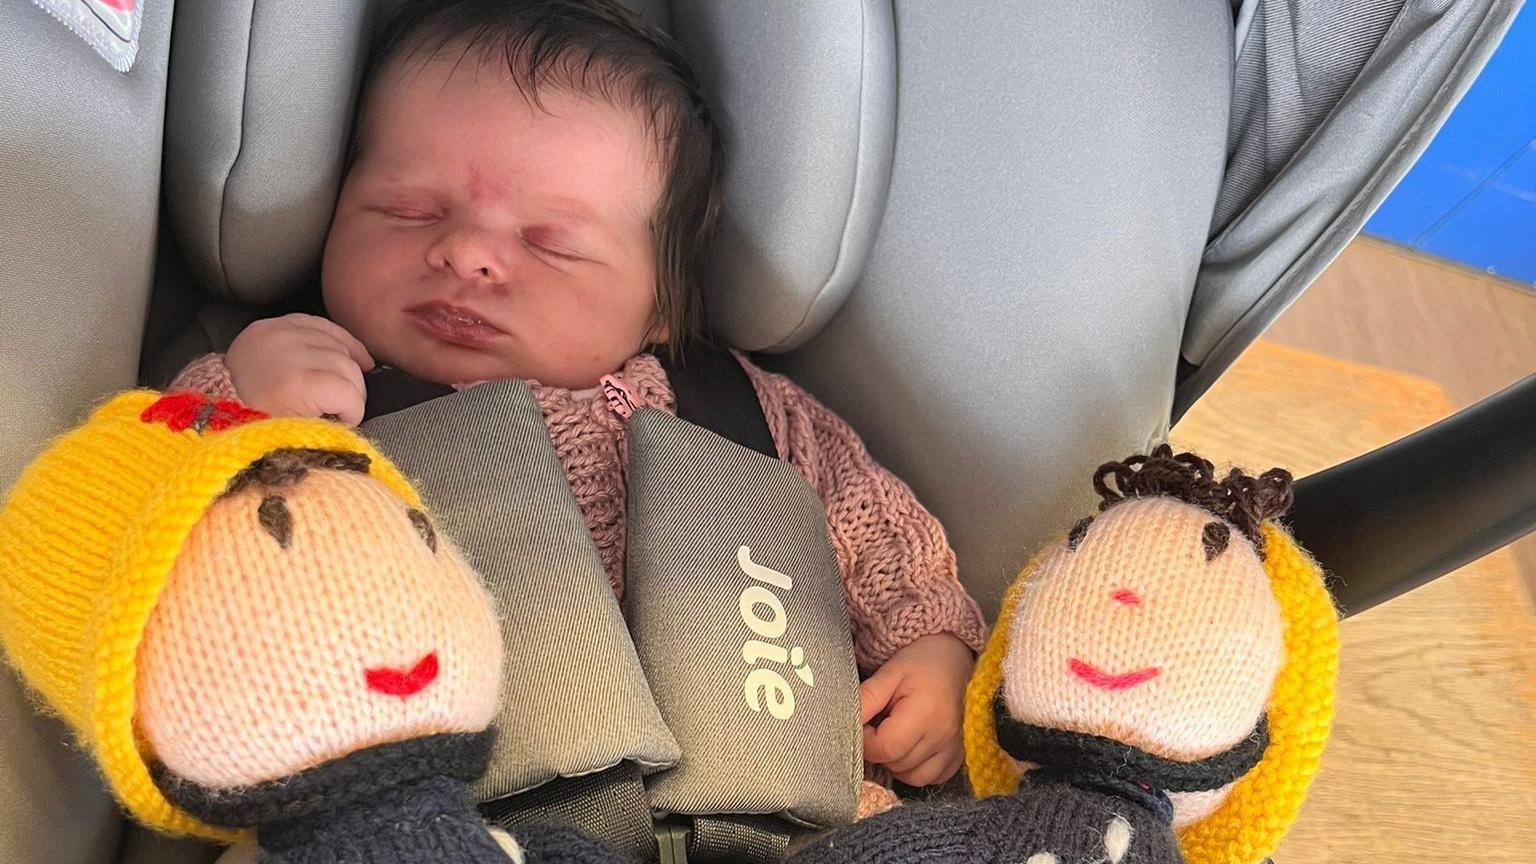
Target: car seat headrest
(258, 107)
(260, 98)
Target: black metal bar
(1397, 517)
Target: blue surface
(1472, 195)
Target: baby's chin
(439, 365)
(458, 366)
(452, 374)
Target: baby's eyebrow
(573, 210)
(391, 188)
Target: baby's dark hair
(600, 49)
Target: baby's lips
(403, 683)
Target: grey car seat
(1006, 240)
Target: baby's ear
(659, 334)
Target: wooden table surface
(1433, 754)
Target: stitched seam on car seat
(245, 101)
(861, 172)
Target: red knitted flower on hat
(181, 411)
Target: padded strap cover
(735, 604)
(574, 699)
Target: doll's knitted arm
(898, 568)
(206, 375)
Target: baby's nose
(470, 256)
(477, 268)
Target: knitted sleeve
(898, 568)
(206, 375)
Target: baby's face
(479, 236)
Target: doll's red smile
(1104, 681)
(403, 682)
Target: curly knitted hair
(1241, 499)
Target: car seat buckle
(672, 840)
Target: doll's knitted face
(306, 621)
(1155, 626)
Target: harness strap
(735, 608)
(576, 701)
(609, 805)
(738, 840)
(714, 395)
(391, 390)
(713, 391)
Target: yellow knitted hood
(1263, 805)
(88, 536)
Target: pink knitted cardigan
(898, 569)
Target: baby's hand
(300, 366)
(921, 691)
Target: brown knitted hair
(287, 467)
(283, 468)
(1240, 499)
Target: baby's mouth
(403, 682)
(454, 324)
(1104, 681)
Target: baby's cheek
(362, 276)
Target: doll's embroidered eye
(424, 528)
(276, 519)
(1215, 537)
(1078, 532)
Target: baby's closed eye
(551, 242)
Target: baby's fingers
(921, 750)
(875, 693)
(336, 394)
(332, 363)
(891, 742)
(336, 335)
(938, 768)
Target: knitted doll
(250, 623)
(1158, 687)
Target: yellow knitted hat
(88, 536)
(1263, 805)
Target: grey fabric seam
(1212, 243)
(860, 178)
(1357, 202)
(1240, 29)
(646, 764)
(1436, 103)
(250, 39)
(206, 329)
